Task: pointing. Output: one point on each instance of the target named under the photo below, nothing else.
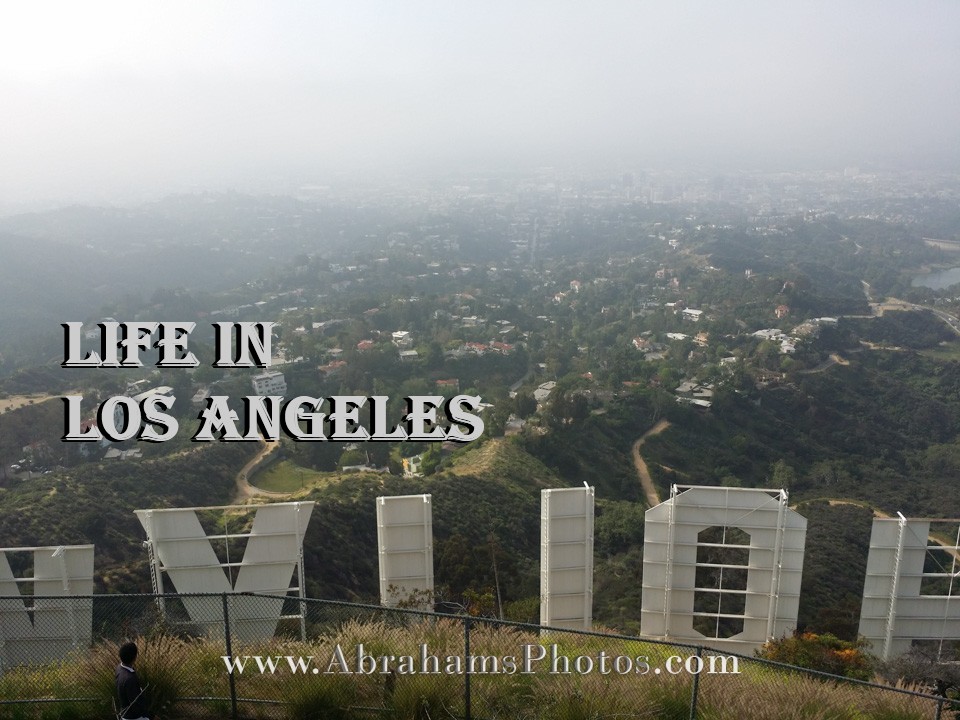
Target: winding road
(649, 490)
(245, 490)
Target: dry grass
(15, 402)
(179, 669)
(794, 696)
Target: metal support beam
(894, 587)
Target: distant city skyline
(124, 101)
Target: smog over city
(128, 101)
(633, 317)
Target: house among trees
(402, 339)
(543, 391)
(331, 368)
(690, 392)
(449, 385)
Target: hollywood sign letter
(179, 547)
(900, 603)
(405, 545)
(61, 621)
(566, 558)
(721, 567)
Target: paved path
(638, 462)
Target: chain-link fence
(257, 656)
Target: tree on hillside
(525, 405)
(783, 475)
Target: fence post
(939, 709)
(466, 659)
(226, 635)
(696, 686)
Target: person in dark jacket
(132, 696)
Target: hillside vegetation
(188, 680)
(624, 311)
(94, 503)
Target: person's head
(128, 653)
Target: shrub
(826, 653)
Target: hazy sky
(101, 100)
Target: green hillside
(486, 515)
(94, 503)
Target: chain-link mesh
(256, 656)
